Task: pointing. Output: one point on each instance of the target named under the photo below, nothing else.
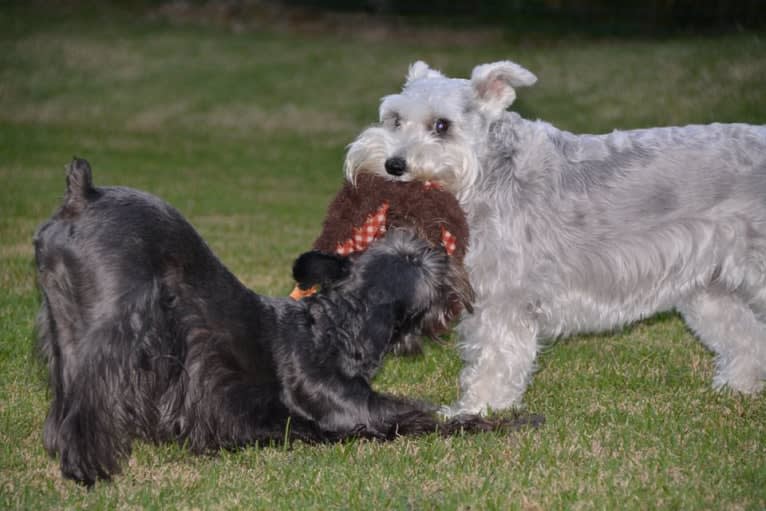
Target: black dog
(147, 335)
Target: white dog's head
(434, 129)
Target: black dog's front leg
(398, 417)
(349, 407)
(344, 407)
(325, 373)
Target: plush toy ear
(494, 84)
(318, 268)
(420, 70)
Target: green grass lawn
(244, 132)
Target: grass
(245, 134)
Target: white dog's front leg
(498, 347)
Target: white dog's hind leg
(498, 348)
(726, 325)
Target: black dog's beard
(147, 335)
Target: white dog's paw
(461, 408)
(742, 374)
(745, 384)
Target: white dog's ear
(419, 70)
(494, 84)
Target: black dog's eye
(441, 126)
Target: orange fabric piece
(297, 293)
(449, 242)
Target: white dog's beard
(451, 167)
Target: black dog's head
(401, 274)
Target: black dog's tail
(79, 185)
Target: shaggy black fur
(147, 335)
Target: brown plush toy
(364, 211)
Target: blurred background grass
(238, 112)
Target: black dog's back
(115, 225)
(114, 242)
(139, 323)
(117, 253)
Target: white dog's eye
(392, 120)
(441, 126)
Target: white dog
(582, 233)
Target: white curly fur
(582, 233)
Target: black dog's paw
(74, 466)
(87, 456)
(414, 422)
(533, 420)
(478, 424)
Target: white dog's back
(615, 227)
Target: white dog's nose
(396, 166)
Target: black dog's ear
(312, 268)
(377, 332)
